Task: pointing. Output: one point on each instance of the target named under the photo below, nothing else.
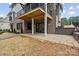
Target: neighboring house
(36, 17)
(14, 22)
(4, 24)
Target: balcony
(35, 10)
(30, 7)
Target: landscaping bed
(1, 32)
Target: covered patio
(35, 18)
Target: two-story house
(36, 17)
(4, 24)
(16, 25)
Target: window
(18, 25)
(34, 5)
(10, 18)
(41, 4)
(13, 15)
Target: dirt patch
(22, 45)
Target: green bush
(4, 30)
(8, 30)
(0, 30)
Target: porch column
(32, 25)
(23, 26)
(45, 20)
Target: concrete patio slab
(56, 38)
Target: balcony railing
(49, 11)
(21, 12)
(31, 7)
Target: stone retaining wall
(67, 31)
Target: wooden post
(45, 20)
(32, 26)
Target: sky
(4, 9)
(69, 9)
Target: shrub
(4, 30)
(0, 30)
(8, 30)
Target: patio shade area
(37, 14)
